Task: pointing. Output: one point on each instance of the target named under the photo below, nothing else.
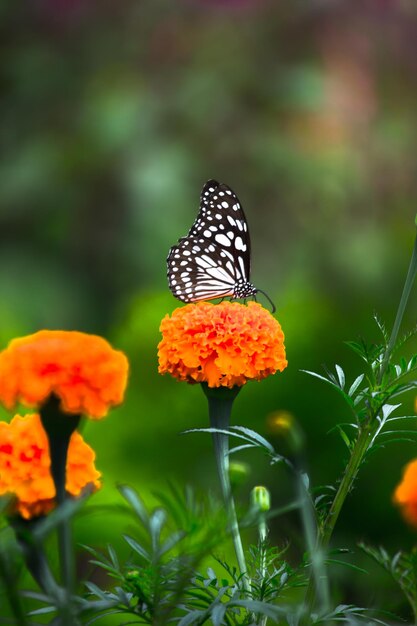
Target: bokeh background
(113, 115)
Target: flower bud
(238, 473)
(261, 499)
(284, 424)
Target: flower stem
(220, 401)
(326, 531)
(362, 443)
(34, 554)
(12, 593)
(59, 427)
(352, 468)
(411, 274)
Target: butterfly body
(213, 260)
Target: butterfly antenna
(269, 300)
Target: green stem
(346, 484)
(411, 274)
(318, 580)
(362, 442)
(11, 590)
(59, 427)
(34, 554)
(263, 534)
(326, 531)
(220, 401)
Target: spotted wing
(215, 254)
(200, 270)
(222, 221)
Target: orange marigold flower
(223, 344)
(82, 370)
(25, 466)
(405, 494)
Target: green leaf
(381, 327)
(97, 617)
(136, 503)
(347, 565)
(255, 436)
(93, 588)
(257, 606)
(137, 548)
(192, 617)
(355, 384)
(341, 376)
(156, 523)
(42, 528)
(245, 446)
(113, 556)
(44, 610)
(319, 376)
(344, 437)
(172, 541)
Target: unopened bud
(238, 473)
(132, 575)
(284, 424)
(261, 499)
(280, 422)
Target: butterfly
(213, 260)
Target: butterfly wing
(215, 254)
(221, 219)
(199, 270)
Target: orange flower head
(223, 344)
(405, 494)
(25, 466)
(82, 370)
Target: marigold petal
(25, 470)
(405, 495)
(225, 344)
(83, 370)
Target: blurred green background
(114, 114)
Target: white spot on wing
(202, 262)
(239, 244)
(242, 267)
(230, 267)
(221, 275)
(222, 239)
